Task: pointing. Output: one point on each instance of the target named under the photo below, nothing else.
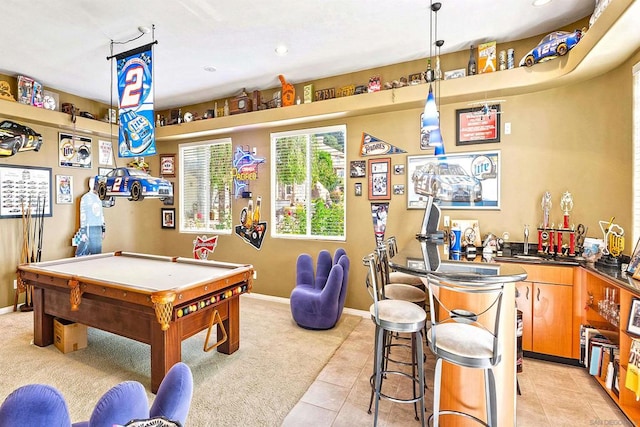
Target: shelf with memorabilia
(28, 114)
(608, 307)
(610, 41)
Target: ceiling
(65, 44)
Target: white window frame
(274, 187)
(635, 137)
(205, 190)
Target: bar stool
(465, 337)
(394, 316)
(399, 276)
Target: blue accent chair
(316, 302)
(124, 402)
(173, 399)
(35, 405)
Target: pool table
(157, 300)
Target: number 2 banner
(135, 94)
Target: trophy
(566, 205)
(614, 244)
(545, 233)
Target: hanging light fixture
(431, 114)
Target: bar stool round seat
(398, 316)
(406, 278)
(405, 292)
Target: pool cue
(35, 226)
(41, 231)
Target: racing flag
(372, 146)
(135, 96)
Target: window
(308, 178)
(635, 134)
(206, 185)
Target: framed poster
(379, 179)
(105, 153)
(633, 325)
(456, 181)
(167, 165)
(478, 125)
(25, 189)
(64, 189)
(358, 168)
(168, 217)
(74, 151)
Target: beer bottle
(256, 212)
(249, 214)
(428, 75)
(472, 66)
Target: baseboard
(352, 311)
(281, 300)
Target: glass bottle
(472, 66)
(429, 75)
(438, 71)
(249, 214)
(256, 211)
(226, 107)
(158, 122)
(215, 109)
(180, 115)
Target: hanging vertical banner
(135, 95)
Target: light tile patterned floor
(552, 394)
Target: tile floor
(552, 394)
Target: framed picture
(25, 190)
(168, 217)
(167, 165)
(64, 189)
(169, 200)
(457, 181)
(633, 325)
(105, 153)
(455, 74)
(357, 188)
(635, 259)
(398, 189)
(358, 169)
(104, 171)
(478, 125)
(74, 151)
(379, 179)
(398, 169)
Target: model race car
(15, 137)
(446, 182)
(552, 45)
(132, 183)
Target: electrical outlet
(446, 220)
(507, 128)
(15, 284)
(255, 274)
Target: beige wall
(573, 138)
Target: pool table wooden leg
(166, 351)
(232, 326)
(42, 322)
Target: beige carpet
(256, 386)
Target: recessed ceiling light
(210, 68)
(144, 30)
(538, 3)
(282, 50)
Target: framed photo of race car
(456, 181)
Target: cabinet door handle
(538, 295)
(527, 293)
